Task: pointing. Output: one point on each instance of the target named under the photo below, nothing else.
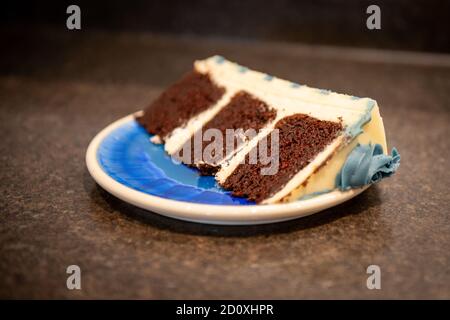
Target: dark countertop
(58, 89)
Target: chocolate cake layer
(301, 138)
(243, 112)
(192, 94)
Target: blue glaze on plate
(128, 156)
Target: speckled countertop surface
(58, 89)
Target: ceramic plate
(124, 162)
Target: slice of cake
(267, 139)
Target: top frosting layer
(288, 97)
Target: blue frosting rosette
(367, 164)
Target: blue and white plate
(124, 162)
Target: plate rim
(207, 213)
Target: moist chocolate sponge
(192, 94)
(301, 138)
